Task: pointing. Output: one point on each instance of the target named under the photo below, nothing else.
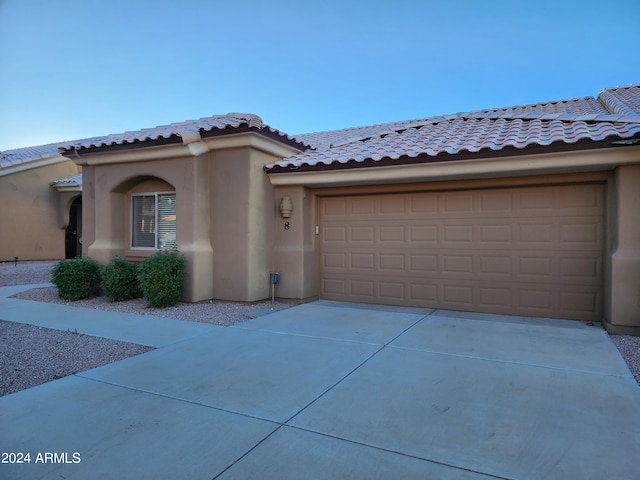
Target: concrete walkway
(331, 390)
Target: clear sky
(72, 69)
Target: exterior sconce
(286, 206)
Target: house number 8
(287, 225)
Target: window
(153, 220)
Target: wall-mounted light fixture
(286, 206)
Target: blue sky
(72, 69)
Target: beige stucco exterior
(229, 224)
(297, 249)
(33, 214)
(623, 312)
(225, 218)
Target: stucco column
(102, 235)
(295, 256)
(194, 220)
(624, 315)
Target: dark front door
(73, 233)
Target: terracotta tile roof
(460, 135)
(623, 100)
(175, 131)
(338, 137)
(189, 130)
(614, 115)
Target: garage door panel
(457, 264)
(334, 234)
(456, 203)
(391, 205)
(392, 233)
(363, 261)
(578, 302)
(334, 207)
(537, 266)
(495, 297)
(337, 260)
(362, 288)
(495, 235)
(422, 293)
(586, 233)
(389, 290)
(422, 264)
(525, 251)
(532, 235)
(336, 287)
(491, 202)
(458, 296)
(585, 268)
(392, 263)
(423, 235)
(458, 234)
(362, 234)
(423, 205)
(495, 265)
(537, 201)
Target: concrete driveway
(332, 390)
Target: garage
(531, 251)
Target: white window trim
(132, 226)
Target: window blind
(153, 221)
(166, 221)
(144, 221)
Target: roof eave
(548, 163)
(507, 151)
(177, 139)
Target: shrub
(120, 280)
(161, 278)
(77, 278)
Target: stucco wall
(107, 204)
(29, 215)
(242, 208)
(297, 251)
(225, 213)
(623, 314)
(295, 255)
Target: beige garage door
(533, 251)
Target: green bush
(77, 278)
(120, 280)
(162, 278)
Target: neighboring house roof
(69, 184)
(75, 180)
(17, 156)
(614, 115)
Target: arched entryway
(73, 232)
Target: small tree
(120, 280)
(162, 278)
(77, 278)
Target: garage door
(533, 251)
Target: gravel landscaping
(32, 355)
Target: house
(35, 217)
(529, 210)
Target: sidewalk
(141, 329)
